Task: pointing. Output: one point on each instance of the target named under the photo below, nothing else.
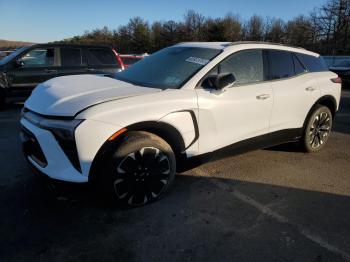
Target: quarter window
(100, 56)
(247, 66)
(39, 57)
(281, 64)
(313, 63)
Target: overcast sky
(43, 21)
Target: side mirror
(19, 63)
(219, 82)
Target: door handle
(50, 71)
(91, 69)
(310, 88)
(263, 97)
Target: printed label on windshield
(197, 60)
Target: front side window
(247, 66)
(39, 57)
(281, 64)
(171, 67)
(71, 57)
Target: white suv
(130, 134)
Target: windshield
(168, 68)
(343, 64)
(12, 55)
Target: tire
(139, 171)
(318, 129)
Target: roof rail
(264, 42)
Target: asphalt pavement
(276, 204)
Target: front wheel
(318, 129)
(140, 170)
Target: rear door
(72, 61)
(295, 90)
(102, 61)
(39, 65)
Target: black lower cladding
(255, 143)
(31, 147)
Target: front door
(37, 66)
(238, 112)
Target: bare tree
(326, 30)
(255, 28)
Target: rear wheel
(318, 129)
(140, 170)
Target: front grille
(31, 147)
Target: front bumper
(51, 161)
(46, 155)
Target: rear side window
(281, 64)
(101, 56)
(71, 57)
(313, 63)
(247, 66)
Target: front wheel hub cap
(142, 175)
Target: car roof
(67, 45)
(247, 44)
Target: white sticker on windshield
(197, 60)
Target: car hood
(68, 95)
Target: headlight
(62, 130)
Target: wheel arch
(164, 130)
(328, 101)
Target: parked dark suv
(22, 70)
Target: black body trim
(255, 143)
(195, 125)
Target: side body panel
(327, 87)
(175, 107)
(234, 114)
(293, 98)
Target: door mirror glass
(219, 81)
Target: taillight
(336, 80)
(119, 59)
